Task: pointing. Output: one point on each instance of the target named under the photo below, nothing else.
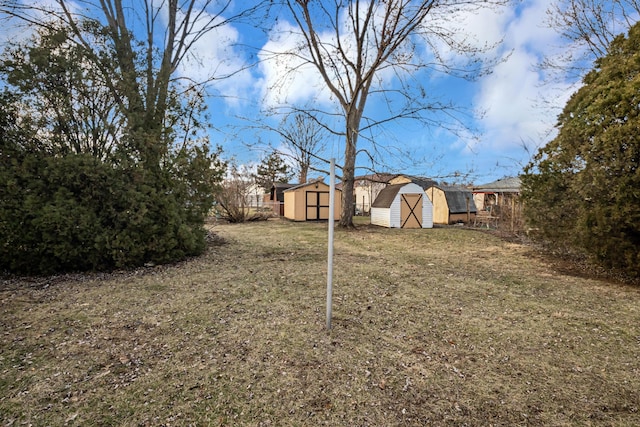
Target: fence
(505, 217)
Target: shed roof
(387, 195)
(306, 184)
(503, 185)
(422, 181)
(457, 199)
(277, 191)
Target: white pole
(332, 192)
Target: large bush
(582, 190)
(77, 213)
(91, 176)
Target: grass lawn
(430, 327)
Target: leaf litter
(441, 326)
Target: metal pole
(332, 192)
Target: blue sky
(513, 109)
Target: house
(255, 196)
(310, 202)
(402, 206)
(451, 204)
(499, 204)
(496, 193)
(366, 188)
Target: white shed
(402, 206)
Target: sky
(509, 112)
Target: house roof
(383, 178)
(503, 185)
(457, 198)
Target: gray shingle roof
(503, 185)
(387, 195)
(421, 181)
(457, 199)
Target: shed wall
(300, 208)
(290, 205)
(440, 207)
(461, 217)
(394, 211)
(380, 216)
(427, 212)
(295, 202)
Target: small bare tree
(302, 140)
(232, 202)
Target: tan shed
(310, 202)
(451, 204)
(402, 206)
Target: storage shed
(310, 202)
(451, 204)
(402, 206)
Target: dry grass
(430, 327)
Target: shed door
(317, 205)
(411, 211)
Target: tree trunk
(303, 174)
(348, 173)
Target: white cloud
(473, 28)
(17, 30)
(215, 58)
(288, 79)
(515, 97)
(292, 79)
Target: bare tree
(302, 138)
(151, 39)
(589, 26)
(353, 43)
(233, 201)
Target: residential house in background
(499, 204)
(496, 193)
(366, 188)
(255, 196)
